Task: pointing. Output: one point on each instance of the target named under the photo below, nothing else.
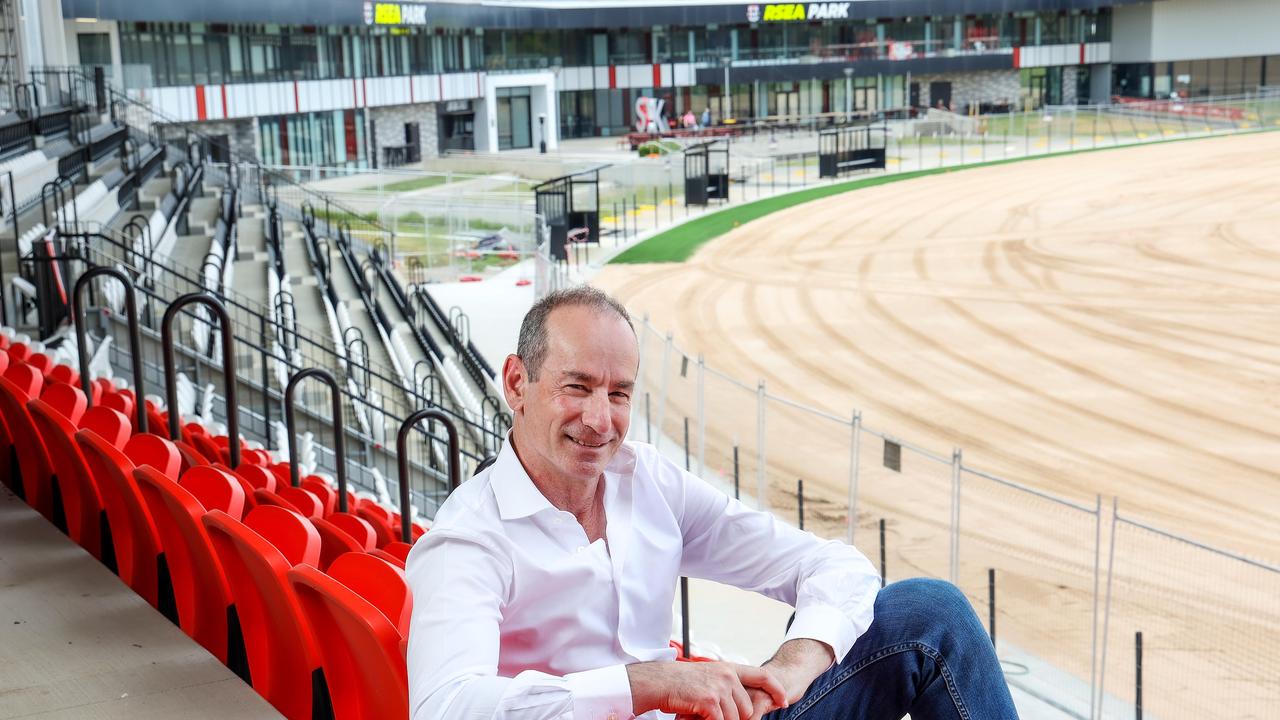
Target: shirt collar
(515, 492)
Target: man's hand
(796, 665)
(703, 690)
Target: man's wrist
(799, 662)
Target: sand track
(1103, 323)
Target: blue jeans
(926, 653)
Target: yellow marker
(1142, 136)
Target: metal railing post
(135, 337)
(855, 443)
(339, 429)
(955, 516)
(402, 462)
(228, 370)
(762, 491)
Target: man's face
(571, 421)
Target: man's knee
(921, 605)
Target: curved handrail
(339, 452)
(308, 214)
(228, 369)
(135, 335)
(402, 458)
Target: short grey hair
(532, 345)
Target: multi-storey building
(347, 82)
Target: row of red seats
(308, 604)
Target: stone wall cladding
(243, 135)
(996, 86)
(389, 123)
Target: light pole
(728, 94)
(848, 94)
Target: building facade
(357, 83)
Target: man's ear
(514, 382)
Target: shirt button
(581, 548)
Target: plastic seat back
(327, 494)
(81, 503)
(289, 532)
(66, 399)
(334, 542)
(217, 489)
(258, 477)
(384, 555)
(199, 587)
(41, 362)
(133, 533)
(282, 655)
(155, 451)
(302, 499)
(380, 518)
(362, 656)
(399, 549)
(110, 425)
(379, 582)
(64, 374)
(357, 527)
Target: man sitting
(544, 588)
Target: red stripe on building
(657, 75)
(1017, 57)
(202, 112)
(226, 112)
(1081, 53)
(613, 77)
(297, 104)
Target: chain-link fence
(1062, 585)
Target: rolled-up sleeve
(832, 585)
(460, 585)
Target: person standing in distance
(543, 590)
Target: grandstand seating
(288, 578)
(259, 577)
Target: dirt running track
(1104, 323)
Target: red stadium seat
(19, 384)
(388, 557)
(380, 518)
(41, 362)
(363, 659)
(399, 549)
(133, 533)
(64, 374)
(81, 502)
(383, 586)
(155, 451)
(334, 542)
(303, 500)
(110, 425)
(199, 587)
(66, 399)
(326, 493)
(283, 660)
(357, 527)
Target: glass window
(95, 48)
(180, 55)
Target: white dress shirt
(517, 617)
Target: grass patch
(679, 243)
(418, 183)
